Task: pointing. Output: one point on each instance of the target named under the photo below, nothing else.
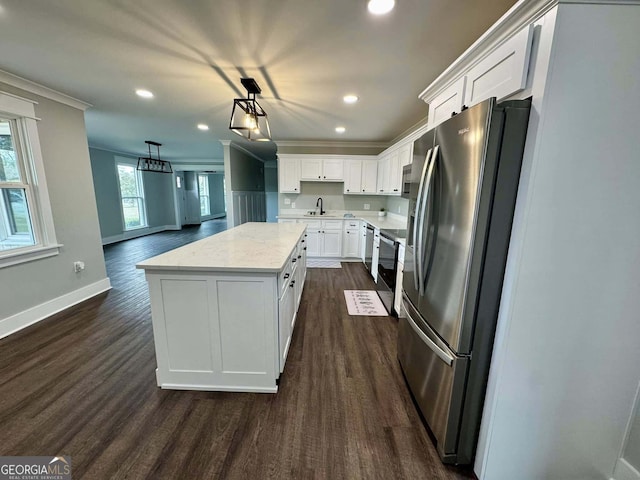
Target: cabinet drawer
(351, 224)
(312, 224)
(332, 224)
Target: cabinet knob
(304, 248)
(291, 284)
(363, 189)
(295, 189)
(348, 190)
(294, 260)
(299, 256)
(286, 275)
(325, 176)
(381, 190)
(318, 176)
(395, 189)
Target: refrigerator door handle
(425, 242)
(442, 354)
(417, 237)
(421, 240)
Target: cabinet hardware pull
(299, 256)
(291, 284)
(304, 248)
(318, 176)
(294, 260)
(286, 275)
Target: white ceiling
(304, 54)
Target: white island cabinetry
(223, 308)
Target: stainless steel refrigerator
(464, 181)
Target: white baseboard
(625, 471)
(33, 315)
(141, 232)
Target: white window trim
(22, 110)
(132, 163)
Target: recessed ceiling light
(141, 92)
(380, 7)
(340, 129)
(203, 127)
(350, 98)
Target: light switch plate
(367, 206)
(293, 205)
(287, 201)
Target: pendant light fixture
(150, 164)
(248, 119)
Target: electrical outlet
(293, 204)
(367, 206)
(78, 266)
(287, 201)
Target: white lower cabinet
(376, 254)
(324, 238)
(351, 239)
(286, 313)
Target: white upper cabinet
(360, 176)
(311, 169)
(501, 73)
(288, 175)
(333, 169)
(383, 175)
(447, 102)
(369, 176)
(352, 176)
(322, 169)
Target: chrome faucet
(319, 203)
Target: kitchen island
(223, 308)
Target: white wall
(566, 359)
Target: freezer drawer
(436, 378)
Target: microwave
(406, 181)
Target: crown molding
(330, 143)
(41, 90)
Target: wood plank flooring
(82, 383)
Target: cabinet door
(503, 72)
(311, 169)
(285, 312)
(288, 175)
(397, 303)
(405, 154)
(313, 242)
(369, 176)
(383, 176)
(333, 169)
(447, 102)
(332, 243)
(351, 243)
(395, 174)
(352, 176)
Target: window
(203, 191)
(26, 222)
(132, 196)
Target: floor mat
(320, 263)
(364, 302)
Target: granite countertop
(250, 247)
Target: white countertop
(250, 247)
(391, 221)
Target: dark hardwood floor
(82, 383)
